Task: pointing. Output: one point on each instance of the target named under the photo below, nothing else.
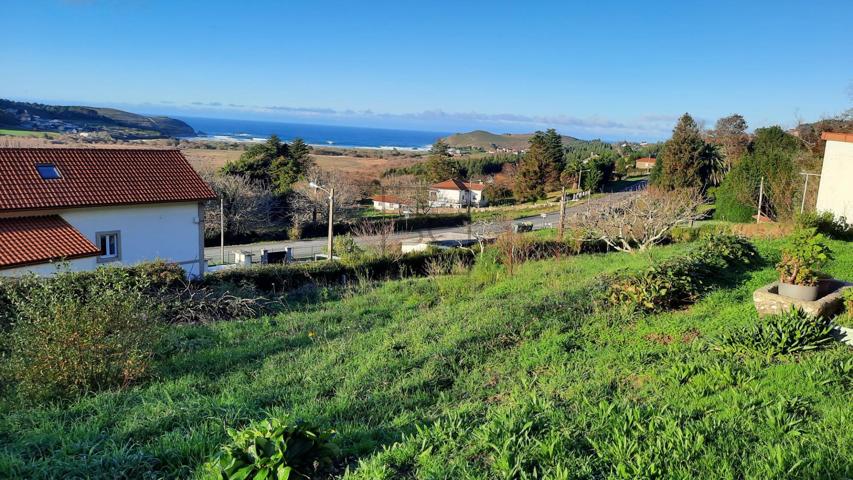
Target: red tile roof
(838, 137)
(30, 240)
(451, 184)
(454, 184)
(96, 177)
(387, 199)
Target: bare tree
(248, 206)
(642, 220)
(308, 205)
(380, 236)
(412, 192)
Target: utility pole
(331, 220)
(580, 174)
(222, 230)
(760, 199)
(561, 226)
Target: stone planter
(768, 301)
(806, 293)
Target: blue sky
(590, 69)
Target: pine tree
(440, 165)
(684, 157)
(553, 144)
(534, 169)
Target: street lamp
(331, 192)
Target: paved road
(310, 246)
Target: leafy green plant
(273, 449)
(803, 254)
(790, 332)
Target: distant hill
(117, 123)
(488, 141)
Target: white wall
(47, 269)
(169, 232)
(442, 197)
(836, 180)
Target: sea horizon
(321, 135)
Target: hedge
(280, 278)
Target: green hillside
(116, 122)
(482, 374)
(487, 140)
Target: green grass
(478, 375)
(29, 133)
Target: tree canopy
(686, 161)
(440, 165)
(273, 163)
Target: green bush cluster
(680, 281)
(790, 332)
(691, 234)
(827, 224)
(73, 333)
(279, 278)
(273, 449)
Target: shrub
(826, 223)
(65, 340)
(728, 207)
(803, 254)
(680, 281)
(789, 332)
(273, 449)
(348, 250)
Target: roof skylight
(48, 171)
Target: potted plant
(803, 254)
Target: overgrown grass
(480, 375)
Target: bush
(826, 223)
(803, 254)
(69, 335)
(273, 449)
(680, 281)
(729, 208)
(790, 332)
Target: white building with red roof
(457, 194)
(388, 202)
(81, 208)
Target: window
(110, 245)
(48, 171)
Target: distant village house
(91, 207)
(387, 202)
(646, 163)
(457, 194)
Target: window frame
(112, 258)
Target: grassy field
(29, 133)
(477, 375)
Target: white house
(455, 193)
(90, 207)
(387, 202)
(835, 193)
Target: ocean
(320, 135)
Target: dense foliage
(789, 332)
(273, 449)
(679, 281)
(775, 156)
(273, 163)
(69, 336)
(827, 224)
